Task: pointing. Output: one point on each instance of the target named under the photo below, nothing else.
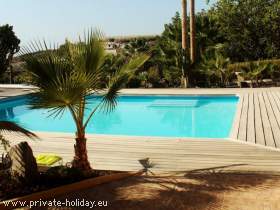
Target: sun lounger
(46, 161)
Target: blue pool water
(166, 116)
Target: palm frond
(4, 142)
(120, 78)
(65, 76)
(135, 63)
(88, 55)
(43, 63)
(60, 80)
(6, 126)
(115, 84)
(62, 92)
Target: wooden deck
(253, 145)
(165, 154)
(258, 118)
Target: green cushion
(47, 159)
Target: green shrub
(237, 67)
(134, 82)
(62, 175)
(23, 77)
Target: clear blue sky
(54, 20)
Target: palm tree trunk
(192, 31)
(11, 75)
(184, 80)
(81, 157)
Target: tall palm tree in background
(184, 80)
(64, 81)
(192, 31)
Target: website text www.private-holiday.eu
(57, 203)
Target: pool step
(175, 103)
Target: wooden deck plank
(242, 132)
(260, 139)
(251, 134)
(269, 139)
(276, 97)
(272, 118)
(236, 122)
(276, 112)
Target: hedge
(238, 66)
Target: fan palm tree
(11, 127)
(218, 67)
(64, 82)
(254, 72)
(273, 71)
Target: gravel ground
(192, 191)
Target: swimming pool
(156, 115)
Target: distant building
(113, 44)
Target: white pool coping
(17, 86)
